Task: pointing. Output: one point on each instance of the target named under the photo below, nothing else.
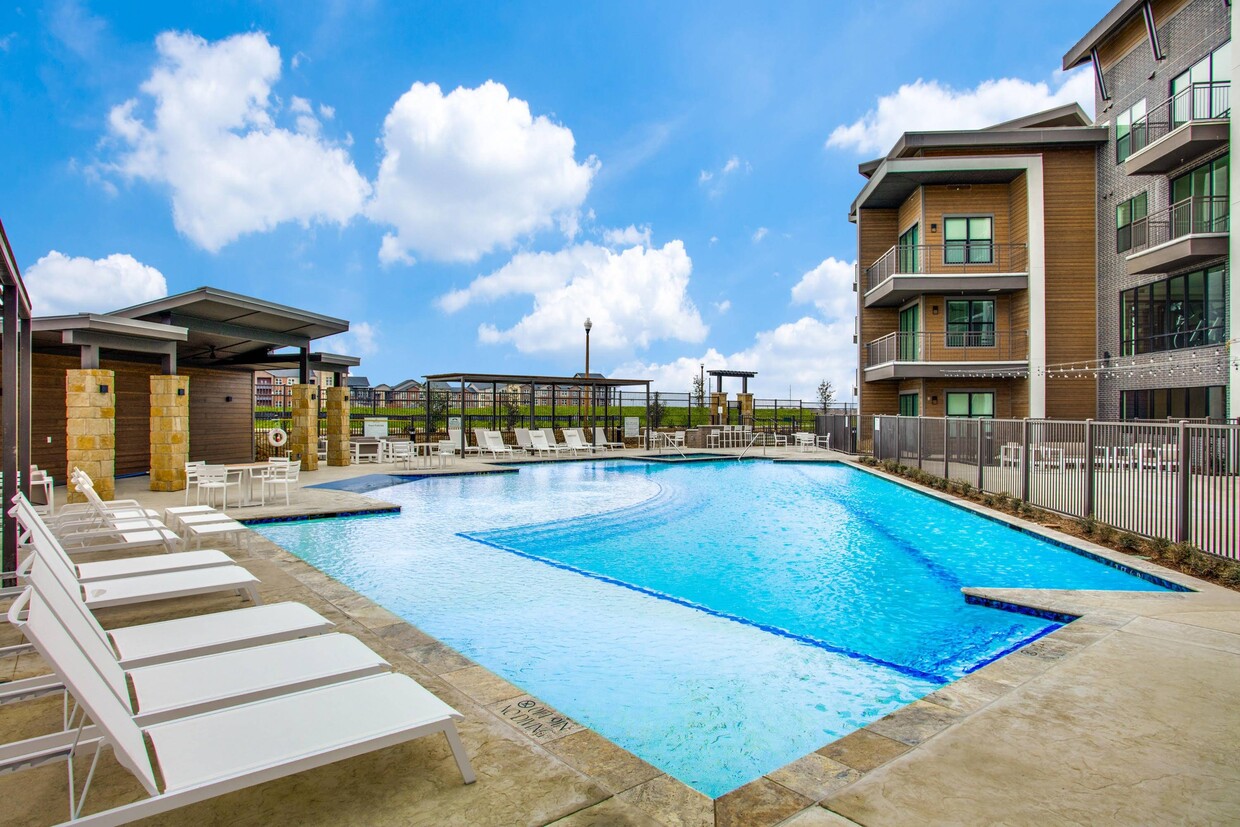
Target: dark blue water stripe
(331, 515)
(1003, 605)
(774, 630)
(1014, 647)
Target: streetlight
(590, 407)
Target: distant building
(407, 394)
(273, 388)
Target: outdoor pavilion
(495, 380)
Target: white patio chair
(539, 440)
(42, 491)
(399, 451)
(212, 753)
(191, 477)
(213, 478)
(284, 475)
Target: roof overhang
(320, 362)
(1103, 29)
(95, 330)
(521, 379)
(227, 328)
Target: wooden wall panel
(910, 214)
(978, 199)
(1132, 34)
(1018, 209)
(876, 233)
(220, 431)
(934, 401)
(1071, 276)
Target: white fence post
(1089, 468)
(1026, 464)
(1182, 483)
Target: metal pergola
(497, 379)
(15, 399)
(744, 375)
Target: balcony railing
(949, 346)
(1197, 102)
(949, 258)
(1188, 217)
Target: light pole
(590, 407)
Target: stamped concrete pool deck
(1128, 715)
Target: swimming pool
(716, 619)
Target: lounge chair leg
(251, 592)
(458, 752)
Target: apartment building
(1166, 301)
(976, 254)
(274, 388)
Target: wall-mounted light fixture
(934, 309)
(934, 400)
(180, 391)
(227, 398)
(103, 388)
(313, 396)
(934, 228)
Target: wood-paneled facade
(1059, 256)
(221, 413)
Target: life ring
(276, 437)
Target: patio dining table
(245, 470)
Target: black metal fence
(1176, 480)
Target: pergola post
(462, 408)
(647, 416)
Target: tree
(826, 394)
(699, 389)
(438, 403)
(656, 411)
(512, 411)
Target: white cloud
(212, 139)
(60, 284)
(633, 296)
(362, 339)
(723, 306)
(6, 41)
(732, 165)
(714, 239)
(929, 105)
(472, 171)
(796, 355)
(630, 236)
(829, 288)
(759, 234)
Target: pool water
(717, 619)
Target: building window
(1179, 312)
(971, 323)
(1174, 403)
(1203, 91)
(1130, 130)
(908, 404)
(1130, 223)
(971, 404)
(910, 253)
(968, 240)
(1200, 199)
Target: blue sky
(466, 183)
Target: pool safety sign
(630, 427)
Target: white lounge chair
(539, 440)
(495, 444)
(107, 531)
(144, 588)
(601, 441)
(549, 433)
(523, 440)
(42, 491)
(575, 443)
(212, 753)
(178, 688)
(95, 511)
(454, 436)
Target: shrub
(1128, 542)
(965, 489)
(1024, 509)
(1202, 564)
(1105, 533)
(1229, 575)
(1179, 553)
(988, 500)
(1158, 548)
(1087, 525)
(1002, 500)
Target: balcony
(1188, 233)
(906, 271)
(946, 354)
(1181, 129)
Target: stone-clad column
(169, 432)
(304, 440)
(90, 429)
(744, 401)
(718, 403)
(338, 426)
